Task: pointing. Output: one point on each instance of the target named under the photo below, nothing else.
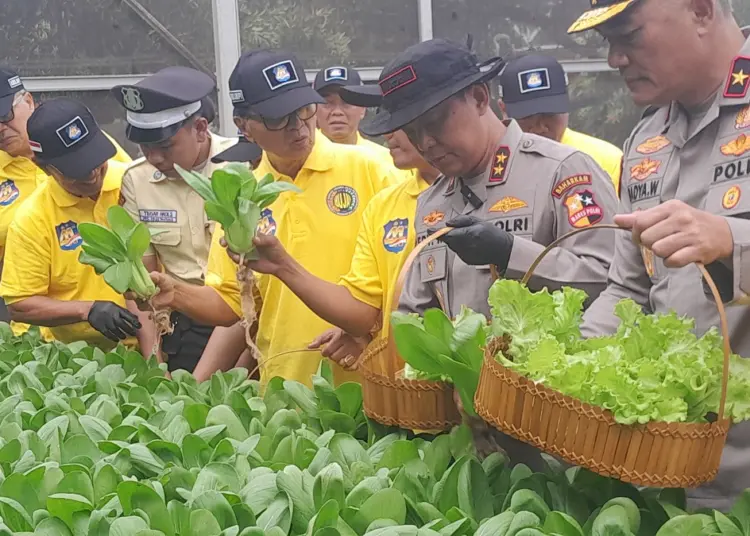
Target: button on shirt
(318, 227)
(536, 189)
(604, 153)
(171, 206)
(703, 161)
(43, 247)
(385, 239)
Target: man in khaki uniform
(509, 192)
(168, 115)
(685, 182)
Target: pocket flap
(166, 236)
(433, 264)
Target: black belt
(184, 346)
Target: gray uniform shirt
(704, 162)
(538, 190)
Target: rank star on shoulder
(501, 158)
(740, 78)
(498, 170)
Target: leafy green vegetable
(116, 253)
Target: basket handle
(704, 272)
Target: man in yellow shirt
(534, 92)
(43, 282)
(275, 108)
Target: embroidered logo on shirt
(644, 169)
(267, 225)
(737, 147)
(342, 200)
(648, 261)
(8, 192)
(738, 82)
(731, 198)
(433, 218)
(67, 236)
(430, 265)
(395, 235)
(569, 183)
(743, 119)
(500, 166)
(653, 145)
(583, 210)
(508, 204)
(158, 216)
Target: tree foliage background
(98, 37)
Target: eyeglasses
(281, 123)
(11, 115)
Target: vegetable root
(246, 281)
(162, 322)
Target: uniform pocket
(729, 198)
(167, 235)
(433, 264)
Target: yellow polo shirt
(43, 244)
(121, 155)
(385, 239)
(604, 153)
(384, 154)
(318, 227)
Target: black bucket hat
(423, 76)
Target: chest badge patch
(500, 166)
(743, 119)
(433, 218)
(430, 265)
(396, 235)
(342, 200)
(8, 192)
(267, 225)
(731, 197)
(644, 169)
(508, 204)
(583, 211)
(648, 261)
(158, 216)
(653, 145)
(68, 236)
(737, 147)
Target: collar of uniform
(416, 185)
(736, 88)
(23, 166)
(63, 198)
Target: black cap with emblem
(160, 104)
(423, 76)
(63, 133)
(271, 84)
(10, 84)
(336, 76)
(242, 151)
(534, 84)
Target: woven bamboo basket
(675, 455)
(394, 401)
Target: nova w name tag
(158, 216)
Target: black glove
(479, 242)
(113, 321)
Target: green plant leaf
(138, 242)
(102, 239)
(218, 213)
(199, 183)
(118, 276)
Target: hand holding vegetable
(113, 321)
(272, 257)
(479, 242)
(341, 347)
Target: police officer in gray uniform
(685, 180)
(511, 192)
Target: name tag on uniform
(158, 216)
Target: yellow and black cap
(601, 11)
(160, 104)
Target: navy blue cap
(534, 84)
(336, 76)
(365, 96)
(243, 151)
(10, 84)
(271, 84)
(63, 133)
(158, 106)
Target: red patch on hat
(399, 79)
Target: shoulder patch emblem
(266, 224)
(583, 211)
(68, 236)
(731, 198)
(342, 200)
(644, 169)
(500, 165)
(433, 218)
(508, 204)
(8, 192)
(653, 145)
(738, 83)
(743, 119)
(569, 183)
(396, 235)
(737, 147)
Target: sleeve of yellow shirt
(221, 274)
(615, 171)
(27, 264)
(363, 280)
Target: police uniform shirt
(703, 161)
(171, 206)
(537, 190)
